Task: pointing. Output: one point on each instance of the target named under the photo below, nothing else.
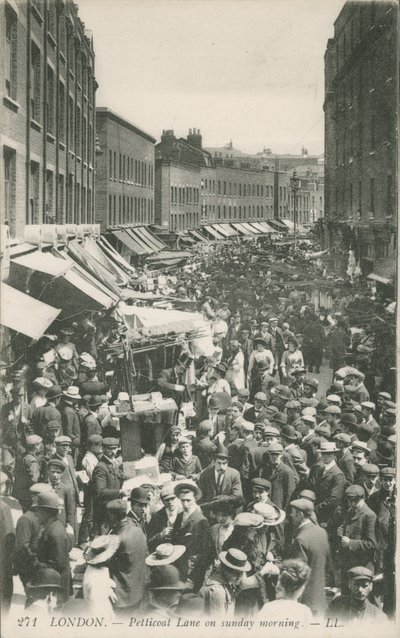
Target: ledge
(61, 145)
(36, 125)
(50, 138)
(10, 103)
(51, 39)
(37, 14)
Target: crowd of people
(276, 499)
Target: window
(389, 194)
(372, 133)
(35, 83)
(50, 115)
(8, 213)
(51, 17)
(61, 111)
(10, 58)
(110, 164)
(60, 199)
(84, 139)
(71, 113)
(33, 211)
(381, 249)
(115, 165)
(224, 188)
(351, 199)
(70, 198)
(77, 216)
(372, 195)
(78, 134)
(50, 217)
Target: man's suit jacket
(307, 446)
(329, 488)
(106, 484)
(283, 483)
(54, 546)
(42, 416)
(250, 415)
(346, 464)
(194, 534)
(204, 450)
(185, 468)
(311, 545)
(15, 427)
(157, 524)
(165, 379)
(231, 485)
(68, 477)
(127, 566)
(71, 425)
(360, 528)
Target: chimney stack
(194, 138)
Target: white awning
(24, 314)
(43, 262)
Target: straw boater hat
(165, 554)
(101, 549)
(235, 559)
(271, 513)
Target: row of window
(212, 212)
(349, 37)
(125, 209)
(181, 221)
(126, 169)
(354, 197)
(54, 211)
(232, 189)
(77, 61)
(184, 195)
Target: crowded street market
(210, 432)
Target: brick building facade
(124, 172)
(192, 188)
(361, 111)
(47, 115)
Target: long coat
(127, 566)
(359, 526)
(53, 550)
(194, 534)
(157, 524)
(27, 472)
(15, 426)
(231, 485)
(283, 483)
(382, 504)
(188, 468)
(27, 534)
(71, 425)
(106, 483)
(42, 416)
(329, 488)
(346, 464)
(311, 545)
(68, 477)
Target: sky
(250, 71)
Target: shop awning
(288, 223)
(115, 256)
(166, 255)
(242, 230)
(24, 314)
(213, 232)
(91, 246)
(248, 227)
(197, 235)
(130, 242)
(43, 262)
(95, 268)
(221, 228)
(267, 228)
(229, 230)
(278, 224)
(145, 238)
(187, 239)
(384, 271)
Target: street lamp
(295, 186)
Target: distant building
(125, 171)
(228, 155)
(361, 120)
(193, 187)
(47, 114)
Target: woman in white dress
(98, 587)
(235, 375)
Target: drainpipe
(44, 169)
(28, 115)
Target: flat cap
(371, 469)
(368, 404)
(388, 472)
(360, 573)
(262, 483)
(333, 409)
(307, 418)
(33, 439)
(260, 396)
(94, 438)
(248, 519)
(312, 382)
(293, 405)
(308, 494)
(303, 504)
(63, 439)
(309, 409)
(360, 445)
(275, 448)
(109, 441)
(334, 398)
(343, 437)
(56, 463)
(355, 491)
(324, 429)
(269, 430)
(53, 425)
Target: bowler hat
(139, 495)
(284, 392)
(349, 419)
(385, 451)
(236, 559)
(289, 433)
(279, 417)
(54, 392)
(94, 401)
(220, 400)
(44, 578)
(221, 452)
(187, 486)
(165, 577)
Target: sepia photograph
(198, 318)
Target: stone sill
(10, 103)
(50, 138)
(35, 125)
